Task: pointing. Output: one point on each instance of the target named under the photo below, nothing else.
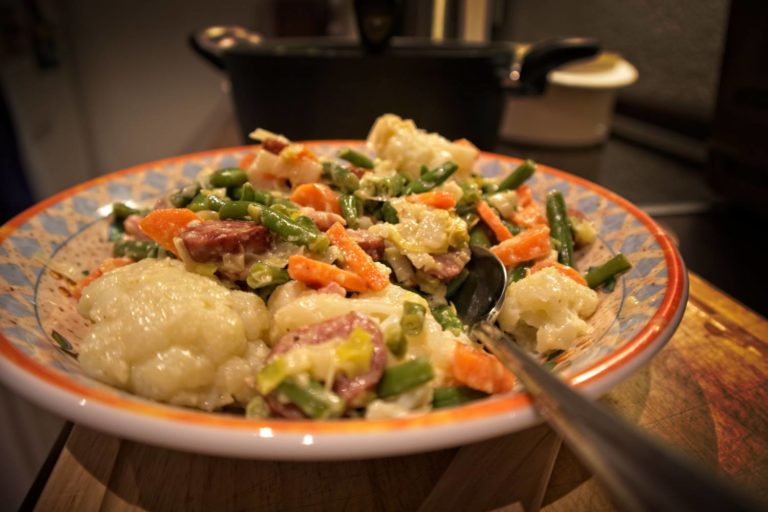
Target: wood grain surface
(705, 393)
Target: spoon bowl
(482, 292)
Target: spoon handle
(639, 473)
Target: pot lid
(607, 71)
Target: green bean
(306, 222)
(453, 396)
(214, 202)
(263, 197)
(394, 185)
(350, 210)
(455, 283)
(246, 192)
(234, 210)
(431, 179)
(121, 211)
(518, 273)
(115, 231)
(199, 202)
(446, 317)
(518, 176)
(228, 177)
(405, 376)
(235, 193)
(560, 228)
(388, 213)
(135, 249)
(479, 237)
(291, 231)
(284, 206)
(342, 177)
(356, 158)
(313, 400)
(283, 209)
(249, 193)
(611, 268)
(183, 196)
(412, 321)
(396, 343)
(261, 275)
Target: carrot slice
(318, 274)
(491, 218)
(165, 224)
(563, 269)
(318, 196)
(435, 199)
(480, 370)
(106, 266)
(359, 261)
(530, 244)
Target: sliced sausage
(449, 265)
(339, 327)
(210, 241)
(372, 244)
(274, 146)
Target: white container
(576, 108)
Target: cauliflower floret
(170, 335)
(547, 308)
(408, 148)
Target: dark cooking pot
(327, 88)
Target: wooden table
(705, 393)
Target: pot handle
(529, 74)
(213, 42)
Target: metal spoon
(638, 473)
